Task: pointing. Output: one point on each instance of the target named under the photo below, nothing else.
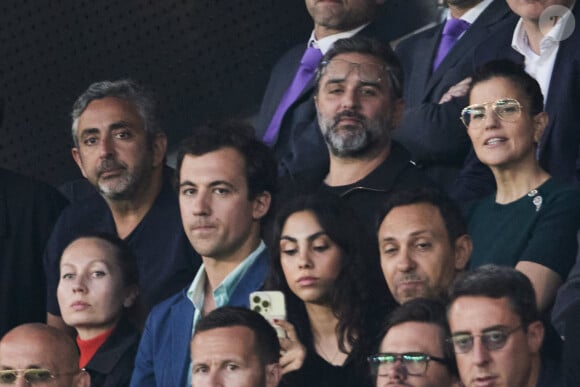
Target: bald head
(40, 346)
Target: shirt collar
(223, 292)
(473, 13)
(520, 41)
(326, 43)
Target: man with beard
(358, 100)
(287, 119)
(433, 62)
(120, 148)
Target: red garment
(89, 347)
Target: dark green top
(540, 227)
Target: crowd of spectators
(449, 258)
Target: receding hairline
(61, 345)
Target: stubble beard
(353, 141)
(125, 186)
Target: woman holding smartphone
(98, 283)
(327, 278)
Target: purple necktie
(451, 32)
(305, 72)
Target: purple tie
(305, 72)
(451, 32)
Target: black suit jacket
(300, 144)
(559, 147)
(433, 132)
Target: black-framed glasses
(34, 376)
(491, 339)
(367, 72)
(507, 109)
(414, 363)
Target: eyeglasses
(414, 363)
(31, 375)
(367, 72)
(492, 339)
(506, 109)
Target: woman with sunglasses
(321, 267)
(98, 283)
(531, 221)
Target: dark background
(204, 59)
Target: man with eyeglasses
(359, 102)
(413, 351)
(38, 355)
(496, 330)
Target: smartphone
(271, 305)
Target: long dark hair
(349, 298)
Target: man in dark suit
(430, 127)
(290, 127)
(546, 41)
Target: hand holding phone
(271, 305)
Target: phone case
(271, 305)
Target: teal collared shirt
(222, 293)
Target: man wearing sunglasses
(413, 351)
(496, 332)
(40, 355)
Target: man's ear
(535, 335)
(261, 205)
(77, 158)
(159, 148)
(463, 249)
(273, 374)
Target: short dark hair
(260, 164)
(125, 89)
(495, 281)
(517, 75)
(124, 256)
(425, 310)
(267, 345)
(450, 211)
(367, 46)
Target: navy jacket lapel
(476, 34)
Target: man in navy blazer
(298, 144)
(430, 127)
(552, 56)
(225, 181)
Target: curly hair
(350, 295)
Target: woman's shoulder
(558, 196)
